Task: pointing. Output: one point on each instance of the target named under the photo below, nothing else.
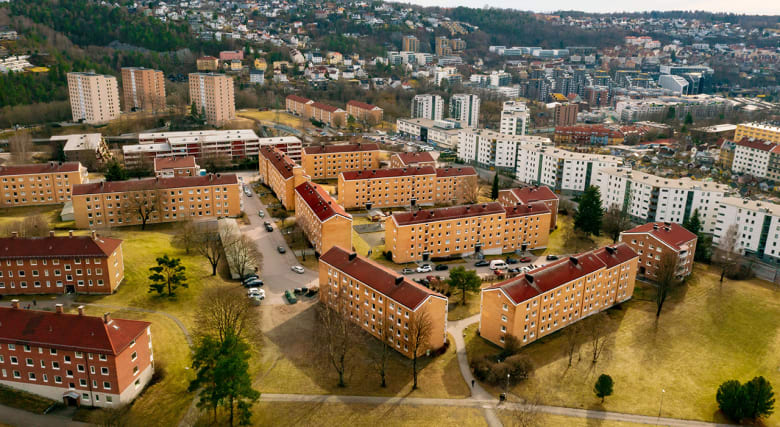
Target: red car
(525, 259)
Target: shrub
(751, 401)
(511, 347)
(486, 369)
(159, 373)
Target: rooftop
(57, 246)
(362, 105)
(385, 281)
(297, 98)
(36, 168)
(320, 201)
(676, 183)
(533, 193)
(326, 107)
(415, 157)
(146, 184)
(231, 134)
(280, 161)
(449, 213)
(388, 173)
(455, 171)
(533, 208)
(673, 234)
(757, 144)
(752, 205)
(340, 148)
(77, 142)
(161, 163)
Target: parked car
(511, 261)
(423, 282)
(281, 249)
(268, 227)
(266, 223)
(298, 291)
(525, 259)
(514, 270)
(290, 297)
(256, 292)
(249, 277)
(253, 283)
(441, 267)
(481, 263)
(425, 268)
(497, 264)
(552, 257)
(298, 269)
(261, 214)
(312, 291)
(407, 271)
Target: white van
(497, 264)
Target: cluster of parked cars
(425, 268)
(252, 281)
(247, 191)
(291, 294)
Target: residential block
(143, 89)
(526, 195)
(94, 98)
(328, 161)
(362, 112)
(281, 174)
(324, 222)
(40, 184)
(213, 96)
(412, 159)
(655, 240)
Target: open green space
(23, 400)
(513, 419)
(565, 240)
(707, 333)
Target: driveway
(276, 273)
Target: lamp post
(661, 405)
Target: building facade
(325, 223)
(213, 96)
(464, 107)
(755, 157)
(143, 89)
(381, 301)
(116, 203)
(656, 240)
(514, 118)
(427, 107)
(410, 44)
(328, 161)
(761, 131)
(40, 184)
(167, 167)
(563, 171)
(362, 112)
(750, 227)
(489, 148)
(527, 195)
(281, 174)
(94, 98)
(74, 358)
(533, 305)
(565, 114)
(89, 149)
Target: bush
(486, 369)
(159, 373)
(511, 347)
(751, 401)
(742, 272)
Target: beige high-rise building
(214, 94)
(142, 89)
(94, 98)
(411, 44)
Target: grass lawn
(276, 117)
(344, 414)
(458, 311)
(565, 240)
(377, 254)
(509, 419)
(50, 212)
(289, 365)
(706, 334)
(23, 400)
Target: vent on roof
(610, 250)
(529, 278)
(352, 255)
(574, 261)
(399, 280)
(655, 226)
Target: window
(104, 370)
(133, 356)
(106, 385)
(31, 376)
(83, 382)
(55, 365)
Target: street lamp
(661, 405)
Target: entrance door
(70, 289)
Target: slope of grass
(22, 400)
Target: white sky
(762, 7)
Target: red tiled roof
(320, 202)
(161, 163)
(210, 58)
(68, 331)
(51, 167)
(362, 105)
(533, 194)
(280, 161)
(757, 144)
(455, 171)
(154, 184)
(326, 107)
(388, 173)
(454, 212)
(671, 233)
(533, 208)
(615, 254)
(297, 98)
(416, 157)
(340, 148)
(380, 278)
(57, 246)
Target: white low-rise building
(561, 170)
(441, 133)
(757, 227)
(488, 148)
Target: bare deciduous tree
(616, 220)
(20, 145)
(470, 191)
(210, 246)
(242, 254)
(142, 205)
(31, 226)
(666, 278)
(596, 331)
(337, 336)
(186, 235)
(221, 310)
(420, 330)
(379, 357)
(529, 414)
(726, 253)
(573, 340)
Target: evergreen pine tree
(494, 188)
(589, 214)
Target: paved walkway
(18, 417)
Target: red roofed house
(385, 302)
(39, 184)
(75, 358)
(654, 240)
(169, 167)
(549, 298)
(324, 222)
(526, 195)
(418, 158)
(361, 111)
(328, 161)
(60, 264)
(297, 104)
(279, 172)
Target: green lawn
(564, 240)
(706, 334)
(23, 400)
(510, 419)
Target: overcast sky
(764, 7)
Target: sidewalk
(18, 417)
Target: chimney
(14, 234)
(81, 310)
(51, 233)
(106, 318)
(398, 280)
(529, 278)
(58, 308)
(655, 226)
(574, 261)
(14, 303)
(352, 256)
(70, 233)
(94, 235)
(611, 250)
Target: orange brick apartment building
(309, 109)
(544, 300)
(281, 174)
(417, 158)
(361, 111)
(486, 228)
(322, 219)
(328, 161)
(116, 203)
(526, 195)
(654, 240)
(40, 184)
(143, 89)
(381, 301)
(75, 358)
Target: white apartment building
(757, 226)
(753, 156)
(427, 107)
(489, 148)
(514, 118)
(441, 133)
(561, 170)
(464, 107)
(94, 98)
(653, 198)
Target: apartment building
(760, 131)
(328, 161)
(74, 358)
(429, 107)
(410, 44)
(381, 301)
(324, 222)
(464, 107)
(565, 114)
(489, 148)
(169, 167)
(487, 228)
(514, 118)
(536, 304)
(588, 134)
(532, 194)
(411, 159)
(117, 203)
(143, 89)
(563, 171)
(650, 198)
(309, 109)
(40, 184)
(94, 98)
(754, 157)
(297, 104)
(456, 185)
(656, 240)
(439, 133)
(385, 188)
(60, 264)
(281, 174)
(89, 149)
(213, 95)
(752, 227)
(365, 113)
